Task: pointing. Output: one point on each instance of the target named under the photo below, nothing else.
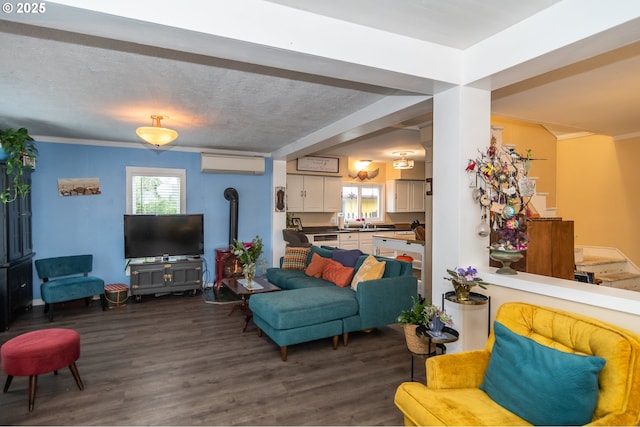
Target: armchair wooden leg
(283, 353)
(259, 332)
(335, 342)
(345, 338)
(7, 383)
(48, 308)
(103, 302)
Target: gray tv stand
(161, 277)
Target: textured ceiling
(76, 75)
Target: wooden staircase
(609, 266)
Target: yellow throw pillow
(371, 269)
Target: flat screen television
(163, 235)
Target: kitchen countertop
(378, 228)
(408, 238)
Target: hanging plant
(21, 152)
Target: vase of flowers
(463, 280)
(248, 254)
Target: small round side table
(448, 335)
(474, 299)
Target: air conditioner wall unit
(222, 163)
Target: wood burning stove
(227, 264)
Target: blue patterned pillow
(540, 384)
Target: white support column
(426, 140)
(461, 126)
(279, 222)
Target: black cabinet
(16, 254)
(164, 277)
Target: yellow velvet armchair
(456, 383)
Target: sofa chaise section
(311, 308)
(302, 315)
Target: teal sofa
(310, 308)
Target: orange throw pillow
(316, 266)
(337, 273)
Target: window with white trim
(156, 190)
(360, 200)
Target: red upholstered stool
(39, 352)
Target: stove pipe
(232, 196)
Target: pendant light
(156, 134)
(402, 162)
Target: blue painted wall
(94, 224)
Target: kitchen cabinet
(365, 242)
(165, 276)
(16, 253)
(332, 194)
(311, 193)
(348, 240)
(405, 196)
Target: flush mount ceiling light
(361, 164)
(361, 173)
(403, 162)
(156, 134)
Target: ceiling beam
(384, 113)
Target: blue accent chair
(67, 278)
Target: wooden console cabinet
(165, 276)
(550, 251)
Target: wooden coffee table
(233, 284)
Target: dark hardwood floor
(176, 360)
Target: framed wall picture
(318, 164)
(78, 186)
(297, 223)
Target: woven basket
(116, 294)
(415, 344)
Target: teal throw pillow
(540, 384)
(323, 252)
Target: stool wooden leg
(33, 381)
(76, 375)
(8, 383)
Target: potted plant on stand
(463, 281)
(19, 152)
(421, 313)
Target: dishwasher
(324, 239)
